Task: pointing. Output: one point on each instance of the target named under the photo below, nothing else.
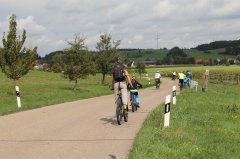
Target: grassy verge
(202, 125)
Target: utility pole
(157, 37)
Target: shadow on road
(112, 156)
(110, 120)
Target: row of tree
(177, 56)
(218, 45)
(76, 61)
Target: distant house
(38, 67)
(200, 61)
(150, 63)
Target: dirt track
(84, 129)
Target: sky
(144, 24)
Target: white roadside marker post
(174, 95)
(18, 97)
(196, 86)
(167, 111)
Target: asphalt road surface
(84, 129)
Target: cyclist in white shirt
(157, 79)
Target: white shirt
(157, 75)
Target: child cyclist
(134, 91)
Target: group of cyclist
(124, 84)
(184, 78)
(121, 81)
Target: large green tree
(15, 59)
(107, 54)
(79, 61)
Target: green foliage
(107, 54)
(57, 63)
(140, 68)
(79, 62)
(16, 60)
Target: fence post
(205, 80)
(167, 111)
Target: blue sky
(186, 23)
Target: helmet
(157, 71)
(133, 77)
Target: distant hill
(212, 50)
(48, 57)
(218, 45)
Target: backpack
(118, 72)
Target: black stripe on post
(167, 108)
(17, 93)
(174, 93)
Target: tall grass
(202, 125)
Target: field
(38, 89)
(202, 125)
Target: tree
(175, 56)
(141, 68)
(57, 63)
(79, 61)
(107, 54)
(16, 60)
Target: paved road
(84, 129)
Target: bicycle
(134, 105)
(120, 111)
(157, 83)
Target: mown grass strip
(202, 125)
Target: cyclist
(189, 75)
(173, 75)
(157, 79)
(181, 77)
(119, 78)
(135, 85)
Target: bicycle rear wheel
(134, 105)
(125, 115)
(119, 113)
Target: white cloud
(138, 38)
(164, 9)
(31, 26)
(50, 23)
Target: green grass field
(202, 125)
(38, 89)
